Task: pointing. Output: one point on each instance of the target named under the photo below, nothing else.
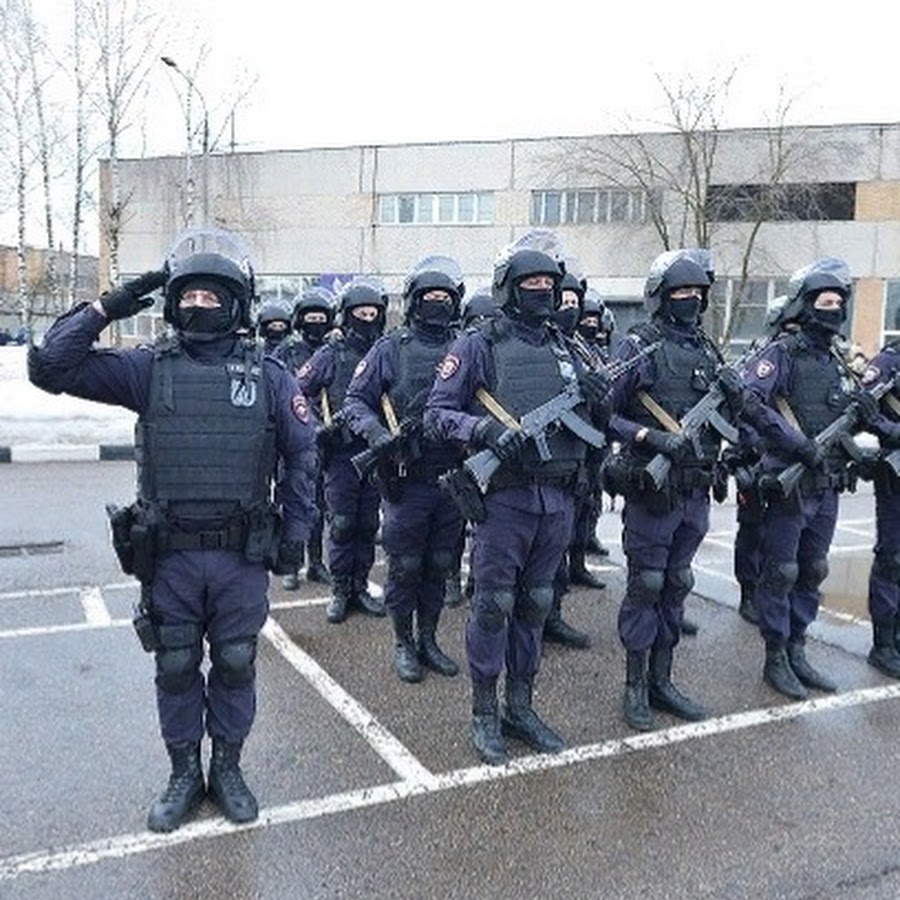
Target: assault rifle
(557, 411)
(705, 412)
(838, 432)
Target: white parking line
(94, 606)
(122, 846)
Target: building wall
(315, 211)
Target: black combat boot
(291, 581)
(809, 676)
(747, 607)
(429, 653)
(689, 626)
(227, 787)
(883, 655)
(453, 588)
(316, 570)
(341, 597)
(486, 734)
(663, 694)
(184, 792)
(363, 600)
(406, 661)
(594, 546)
(636, 703)
(778, 674)
(579, 573)
(558, 631)
(520, 720)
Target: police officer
(804, 388)
(884, 578)
(422, 525)
(273, 323)
(511, 366)
(312, 319)
(664, 524)
(352, 504)
(213, 413)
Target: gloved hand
(867, 409)
(594, 387)
(503, 441)
(732, 387)
(675, 446)
(289, 558)
(378, 438)
(129, 299)
(810, 454)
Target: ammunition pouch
(465, 494)
(262, 535)
(121, 519)
(134, 536)
(145, 626)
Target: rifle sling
(894, 404)
(787, 413)
(326, 409)
(492, 405)
(659, 413)
(390, 415)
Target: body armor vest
(527, 376)
(294, 352)
(346, 358)
(684, 373)
(205, 447)
(417, 362)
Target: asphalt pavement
(369, 787)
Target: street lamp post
(192, 87)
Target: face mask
(534, 304)
(437, 313)
(315, 332)
(589, 332)
(567, 319)
(212, 322)
(367, 332)
(275, 336)
(685, 312)
(829, 320)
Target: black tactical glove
(289, 558)
(503, 441)
(733, 388)
(810, 454)
(594, 387)
(675, 446)
(129, 299)
(378, 437)
(867, 409)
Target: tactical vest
(527, 376)
(417, 362)
(346, 358)
(205, 447)
(294, 352)
(684, 373)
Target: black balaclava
(534, 306)
(363, 333)
(198, 324)
(567, 319)
(273, 336)
(314, 332)
(822, 324)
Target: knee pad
(535, 604)
(779, 577)
(812, 574)
(646, 585)
(405, 569)
(681, 582)
(179, 657)
(438, 564)
(887, 565)
(233, 661)
(491, 609)
(343, 529)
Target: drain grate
(42, 548)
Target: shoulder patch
(300, 408)
(871, 374)
(764, 368)
(360, 368)
(305, 369)
(448, 366)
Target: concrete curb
(45, 453)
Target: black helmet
(827, 274)
(313, 299)
(273, 310)
(479, 306)
(672, 270)
(362, 290)
(433, 273)
(538, 252)
(210, 254)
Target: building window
(892, 310)
(781, 202)
(591, 206)
(443, 209)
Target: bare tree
(675, 167)
(122, 36)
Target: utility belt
(517, 478)
(814, 482)
(625, 475)
(141, 533)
